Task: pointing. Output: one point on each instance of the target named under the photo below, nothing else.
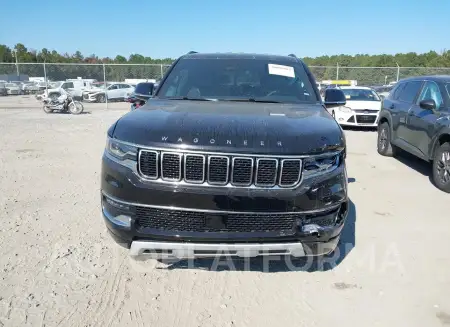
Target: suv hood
(232, 127)
(372, 105)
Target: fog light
(122, 220)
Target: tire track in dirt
(108, 305)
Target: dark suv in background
(416, 118)
(233, 153)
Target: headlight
(121, 151)
(322, 164)
(345, 109)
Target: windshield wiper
(251, 100)
(190, 99)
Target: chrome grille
(148, 161)
(220, 170)
(290, 173)
(368, 111)
(171, 166)
(194, 168)
(266, 172)
(242, 171)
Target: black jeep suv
(234, 154)
(416, 118)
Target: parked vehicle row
(20, 87)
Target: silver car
(12, 89)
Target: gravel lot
(59, 267)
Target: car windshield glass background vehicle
(228, 79)
(431, 91)
(360, 95)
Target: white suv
(114, 92)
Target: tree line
(324, 67)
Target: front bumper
(356, 119)
(319, 205)
(90, 97)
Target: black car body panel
(228, 126)
(311, 211)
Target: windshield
(239, 79)
(360, 95)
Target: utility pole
(17, 63)
(337, 71)
(45, 77)
(398, 71)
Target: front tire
(441, 167)
(384, 141)
(46, 109)
(101, 98)
(76, 108)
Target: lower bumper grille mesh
(192, 221)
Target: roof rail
(292, 55)
(191, 52)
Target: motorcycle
(63, 105)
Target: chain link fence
(368, 76)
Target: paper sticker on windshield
(347, 96)
(281, 70)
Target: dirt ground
(59, 267)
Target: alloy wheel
(443, 167)
(383, 139)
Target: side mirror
(382, 97)
(428, 104)
(334, 98)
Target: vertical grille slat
(266, 172)
(242, 171)
(171, 166)
(291, 170)
(220, 170)
(194, 168)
